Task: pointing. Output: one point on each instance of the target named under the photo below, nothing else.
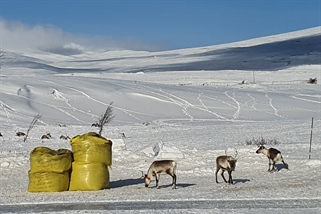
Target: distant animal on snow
(161, 167)
(20, 134)
(226, 163)
(95, 125)
(64, 137)
(46, 136)
(274, 156)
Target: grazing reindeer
(20, 134)
(273, 155)
(161, 167)
(64, 137)
(46, 136)
(95, 125)
(226, 163)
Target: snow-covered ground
(189, 115)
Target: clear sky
(163, 24)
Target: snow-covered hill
(191, 104)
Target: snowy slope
(191, 104)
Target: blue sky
(159, 25)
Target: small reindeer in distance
(46, 136)
(20, 134)
(273, 155)
(226, 163)
(64, 137)
(161, 167)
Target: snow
(165, 112)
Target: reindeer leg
(216, 174)
(230, 177)
(223, 176)
(174, 181)
(269, 170)
(157, 179)
(285, 164)
(273, 167)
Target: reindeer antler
(236, 153)
(142, 174)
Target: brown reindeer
(64, 137)
(226, 163)
(20, 134)
(161, 167)
(46, 136)
(273, 155)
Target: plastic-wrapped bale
(92, 148)
(49, 170)
(89, 176)
(43, 159)
(48, 181)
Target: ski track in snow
(181, 102)
(305, 99)
(272, 106)
(7, 110)
(252, 99)
(238, 110)
(184, 104)
(100, 102)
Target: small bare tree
(32, 124)
(106, 117)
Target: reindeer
(161, 167)
(46, 136)
(273, 155)
(95, 125)
(20, 134)
(226, 163)
(64, 137)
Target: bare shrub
(312, 81)
(106, 118)
(261, 141)
(32, 124)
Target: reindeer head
(260, 150)
(147, 180)
(232, 161)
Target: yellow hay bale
(92, 148)
(48, 181)
(94, 176)
(43, 159)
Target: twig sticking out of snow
(106, 117)
(32, 124)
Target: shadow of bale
(126, 182)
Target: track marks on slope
(276, 111)
(238, 105)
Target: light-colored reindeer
(226, 163)
(161, 167)
(273, 155)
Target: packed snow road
(176, 206)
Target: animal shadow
(281, 166)
(126, 182)
(180, 185)
(236, 181)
